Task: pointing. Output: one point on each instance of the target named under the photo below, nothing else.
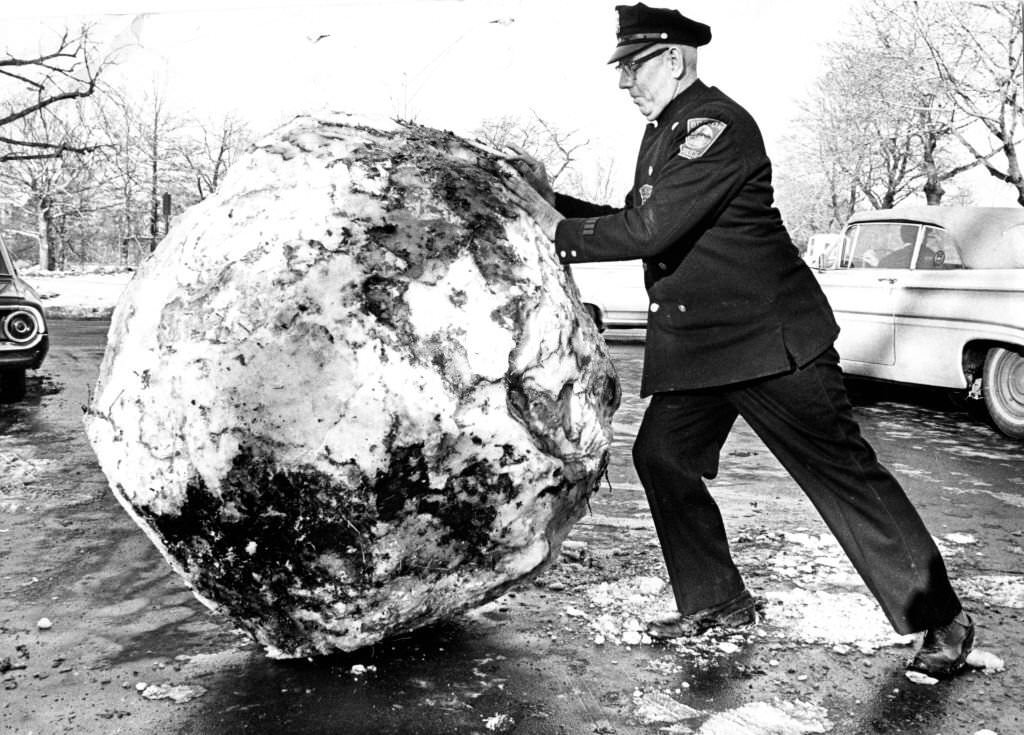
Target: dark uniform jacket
(731, 300)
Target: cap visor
(622, 52)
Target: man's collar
(690, 93)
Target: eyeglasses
(630, 68)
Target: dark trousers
(805, 419)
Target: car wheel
(12, 385)
(1003, 385)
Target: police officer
(737, 326)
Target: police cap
(641, 26)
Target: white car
(614, 294)
(934, 296)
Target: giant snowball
(353, 392)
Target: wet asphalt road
(551, 657)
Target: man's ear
(680, 63)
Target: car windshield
(4, 268)
(894, 244)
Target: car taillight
(20, 326)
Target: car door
(862, 288)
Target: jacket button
(663, 266)
(682, 307)
(645, 266)
(572, 253)
(562, 253)
(654, 308)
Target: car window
(938, 251)
(4, 271)
(881, 245)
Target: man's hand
(533, 171)
(534, 204)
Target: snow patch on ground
(833, 618)
(88, 294)
(761, 718)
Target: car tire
(12, 385)
(1003, 386)
(595, 316)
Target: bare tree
(556, 149)
(880, 126)
(568, 158)
(977, 49)
(53, 188)
(65, 72)
(209, 150)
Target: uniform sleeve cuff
(570, 235)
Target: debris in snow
(654, 707)
(761, 718)
(1004, 590)
(44, 624)
(361, 670)
(961, 539)
(574, 550)
(179, 694)
(575, 612)
(981, 659)
(728, 647)
(918, 678)
(986, 732)
(500, 723)
(652, 586)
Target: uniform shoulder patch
(701, 133)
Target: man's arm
(688, 192)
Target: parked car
(934, 296)
(613, 293)
(23, 337)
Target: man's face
(649, 80)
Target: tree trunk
(1013, 172)
(933, 189)
(154, 184)
(47, 234)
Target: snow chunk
(761, 718)
(982, 659)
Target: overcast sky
(449, 63)
(445, 63)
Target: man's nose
(625, 79)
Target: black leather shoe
(945, 649)
(735, 613)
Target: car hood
(15, 288)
